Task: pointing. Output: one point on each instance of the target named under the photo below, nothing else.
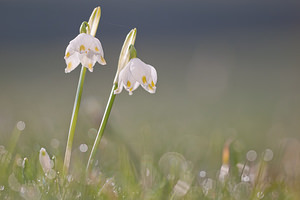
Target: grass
(122, 173)
(163, 146)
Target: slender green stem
(13, 140)
(73, 121)
(102, 126)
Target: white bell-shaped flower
(45, 160)
(84, 49)
(136, 73)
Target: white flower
(84, 49)
(136, 73)
(45, 160)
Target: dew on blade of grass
(245, 178)
(83, 148)
(223, 173)
(202, 174)
(21, 125)
(268, 155)
(251, 155)
(208, 186)
(260, 195)
(181, 188)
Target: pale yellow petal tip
(67, 55)
(134, 31)
(43, 152)
(98, 11)
(103, 61)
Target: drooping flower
(45, 160)
(136, 73)
(84, 49)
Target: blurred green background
(226, 69)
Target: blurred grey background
(226, 69)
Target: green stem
(73, 121)
(102, 126)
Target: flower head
(45, 160)
(136, 73)
(84, 49)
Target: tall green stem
(102, 126)
(73, 121)
(123, 60)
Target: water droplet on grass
(83, 148)
(21, 125)
(251, 155)
(207, 186)
(181, 188)
(268, 155)
(202, 174)
(260, 195)
(245, 178)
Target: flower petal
(127, 81)
(151, 83)
(84, 49)
(72, 62)
(145, 74)
(153, 74)
(140, 71)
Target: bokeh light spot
(21, 125)
(251, 155)
(83, 148)
(268, 155)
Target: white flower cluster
(84, 49)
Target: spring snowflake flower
(84, 49)
(45, 160)
(136, 73)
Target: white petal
(151, 82)
(153, 74)
(72, 61)
(45, 160)
(126, 80)
(84, 49)
(120, 81)
(145, 74)
(87, 61)
(83, 39)
(140, 71)
(120, 88)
